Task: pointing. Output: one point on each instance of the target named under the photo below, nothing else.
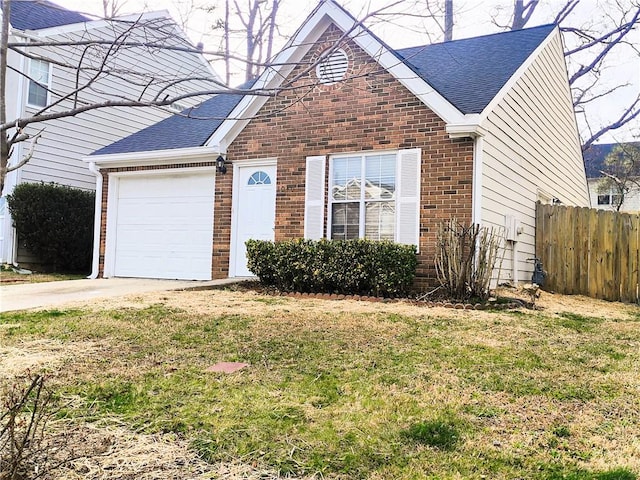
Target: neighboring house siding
(65, 141)
(531, 152)
(631, 201)
(58, 154)
(365, 113)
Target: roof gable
(456, 80)
(470, 72)
(39, 14)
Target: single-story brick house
(360, 141)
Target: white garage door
(164, 226)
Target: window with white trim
(609, 199)
(370, 195)
(39, 72)
(363, 197)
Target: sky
(472, 17)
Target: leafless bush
(466, 258)
(27, 449)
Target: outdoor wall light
(220, 166)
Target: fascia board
(470, 127)
(176, 156)
(508, 86)
(82, 26)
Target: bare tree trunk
(227, 48)
(4, 40)
(448, 20)
(522, 13)
(272, 27)
(111, 8)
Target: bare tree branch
(630, 113)
(28, 155)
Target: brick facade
(369, 111)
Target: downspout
(95, 266)
(12, 179)
(476, 201)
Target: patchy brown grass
(9, 277)
(558, 386)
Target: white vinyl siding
(531, 146)
(65, 141)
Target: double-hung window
(38, 94)
(363, 197)
(370, 195)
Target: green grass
(357, 390)
(10, 277)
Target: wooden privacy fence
(589, 252)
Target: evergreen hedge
(55, 223)
(351, 267)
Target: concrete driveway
(50, 294)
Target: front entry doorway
(254, 210)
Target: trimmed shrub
(350, 267)
(55, 223)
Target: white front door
(255, 211)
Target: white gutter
(155, 157)
(470, 128)
(476, 202)
(95, 265)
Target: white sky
(473, 17)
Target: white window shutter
(314, 198)
(408, 196)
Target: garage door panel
(164, 226)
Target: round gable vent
(333, 68)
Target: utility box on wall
(512, 228)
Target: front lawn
(354, 390)
(8, 276)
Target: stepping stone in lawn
(227, 367)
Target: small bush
(362, 267)
(55, 223)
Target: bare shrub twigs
(466, 258)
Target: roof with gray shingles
(38, 14)
(190, 128)
(468, 73)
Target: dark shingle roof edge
(189, 128)
(36, 15)
(457, 70)
(470, 72)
